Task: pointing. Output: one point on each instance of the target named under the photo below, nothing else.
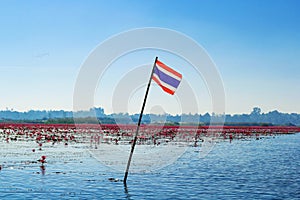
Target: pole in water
(138, 126)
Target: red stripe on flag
(163, 87)
(168, 68)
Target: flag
(167, 78)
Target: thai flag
(167, 78)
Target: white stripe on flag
(168, 73)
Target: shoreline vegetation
(95, 121)
(97, 115)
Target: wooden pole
(138, 126)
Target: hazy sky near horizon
(255, 45)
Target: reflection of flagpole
(139, 123)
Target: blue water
(253, 169)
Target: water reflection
(43, 169)
(127, 195)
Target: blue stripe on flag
(166, 78)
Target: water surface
(243, 169)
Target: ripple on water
(255, 169)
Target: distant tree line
(97, 115)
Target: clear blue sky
(255, 45)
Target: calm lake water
(250, 169)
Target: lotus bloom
(42, 160)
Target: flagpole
(138, 126)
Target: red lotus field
(111, 133)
